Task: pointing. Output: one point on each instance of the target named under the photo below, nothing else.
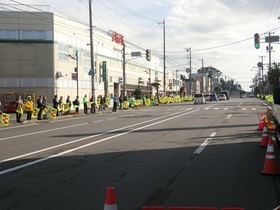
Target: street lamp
(76, 69)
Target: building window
(27, 35)
(11, 34)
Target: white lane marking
(86, 145)
(43, 131)
(244, 109)
(229, 116)
(199, 150)
(113, 118)
(226, 108)
(254, 109)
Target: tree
(273, 76)
(138, 93)
(156, 85)
(140, 81)
(213, 72)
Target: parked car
(199, 99)
(213, 97)
(222, 97)
(207, 96)
(226, 92)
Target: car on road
(213, 97)
(222, 97)
(207, 96)
(199, 99)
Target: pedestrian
(45, 108)
(121, 102)
(40, 107)
(92, 105)
(19, 108)
(60, 105)
(115, 103)
(100, 108)
(55, 104)
(68, 101)
(85, 102)
(76, 104)
(29, 107)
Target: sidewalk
(13, 122)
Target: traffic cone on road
(270, 166)
(110, 201)
(264, 138)
(261, 121)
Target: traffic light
(148, 55)
(120, 80)
(257, 41)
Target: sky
(219, 32)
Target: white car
(222, 97)
(199, 99)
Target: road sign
(188, 70)
(135, 54)
(74, 76)
(91, 72)
(272, 39)
(259, 64)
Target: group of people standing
(42, 103)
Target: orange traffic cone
(261, 122)
(264, 139)
(110, 202)
(270, 166)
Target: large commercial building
(47, 52)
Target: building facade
(48, 53)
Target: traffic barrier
(110, 201)
(270, 166)
(153, 208)
(261, 121)
(232, 208)
(277, 208)
(192, 208)
(264, 138)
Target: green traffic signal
(148, 55)
(257, 41)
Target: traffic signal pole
(124, 80)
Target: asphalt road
(170, 155)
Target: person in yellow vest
(29, 107)
(19, 107)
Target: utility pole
(92, 66)
(190, 75)
(164, 68)
(124, 80)
(164, 59)
(202, 83)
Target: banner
(35, 113)
(5, 119)
(53, 113)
